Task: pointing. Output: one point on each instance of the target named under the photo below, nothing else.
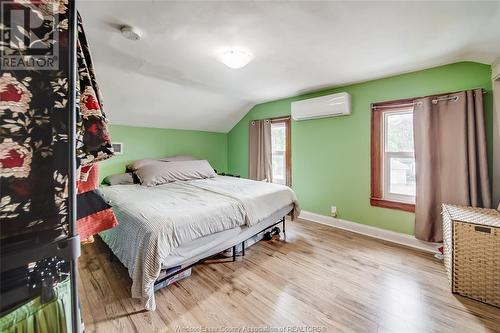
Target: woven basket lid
(483, 216)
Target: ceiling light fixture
(235, 58)
(130, 32)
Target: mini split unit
(322, 107)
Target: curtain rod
(272, 119)
(280, 118)
(413, 103)
(434, 101)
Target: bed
(179, 223)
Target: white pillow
(119, 179)
(157, 173)
(132, 166)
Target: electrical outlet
(334, 211)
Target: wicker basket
(471, 238)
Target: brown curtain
(260, 157)
(451, 159)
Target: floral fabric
(34, 119)
(93, 143)
(35, 124)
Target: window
(399, 158)
(393, 156)
(281, 159)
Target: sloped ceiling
(172, 77)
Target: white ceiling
(173, 79)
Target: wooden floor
(327, 279)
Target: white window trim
(386, 194)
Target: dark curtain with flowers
(34, 129)
(93, 145)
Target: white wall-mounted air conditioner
(321, 107)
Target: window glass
(399, 131)
(278, 140)
(399, 158)
(402, 176)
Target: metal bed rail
(180, 270)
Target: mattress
(202, 247)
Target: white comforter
(155, 220)
(259, 199)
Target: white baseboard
(363, 229)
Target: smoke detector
(130, 32)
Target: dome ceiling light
(235, 58)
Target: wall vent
(117, 148)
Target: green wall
(331, 156)
(143, 142)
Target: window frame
(288, 148)
(379, 191)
